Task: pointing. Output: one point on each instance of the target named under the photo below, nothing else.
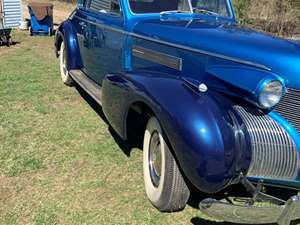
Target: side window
(217, 6)
(115, 7)
(80, 3)
(106, 6)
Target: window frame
(229, 10)
(153, 13)
(110, 13)
(229, 7)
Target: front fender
(209, 139)
(67, 34)
(239, 81)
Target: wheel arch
(201, 128)
(58, 41)
(136, 118)
(67, 34)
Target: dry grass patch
(280, 17)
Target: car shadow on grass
(134, 142)
(200, 221)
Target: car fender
(208, 138)
(67, 34)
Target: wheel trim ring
(65, 71)
(155, 158)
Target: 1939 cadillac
(217, 104)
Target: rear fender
(208, 138)
(67, 34)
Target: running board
(87, 84)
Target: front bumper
(251, 214)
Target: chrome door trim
(157, 57)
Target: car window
(158, 6)
(219, 7)
(80, 3)
(106, 6)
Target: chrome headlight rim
(270, 93)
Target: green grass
(59, 164)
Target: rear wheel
(3, 40)
(9, 41)
(64, 73)
(164, 184)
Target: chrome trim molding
(274, 153)
(217, 55)
(157, 57)
(289, 108)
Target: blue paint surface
(206, 134)
(208, 137)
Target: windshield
(211, 7)
(159, 6)
(218, 7)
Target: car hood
(281, 56)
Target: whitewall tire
(164, 184)
(64, 73)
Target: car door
(101, 38)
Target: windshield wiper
(205, 11)
(173, 12)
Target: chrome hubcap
(64, 62)
(155, 159)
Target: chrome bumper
(281, 214)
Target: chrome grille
(274, 154)
(289, 108)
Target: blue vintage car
(215, 103)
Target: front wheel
(64, 73)
(164, 184)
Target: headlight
(270, 94)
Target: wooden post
(1, 10)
